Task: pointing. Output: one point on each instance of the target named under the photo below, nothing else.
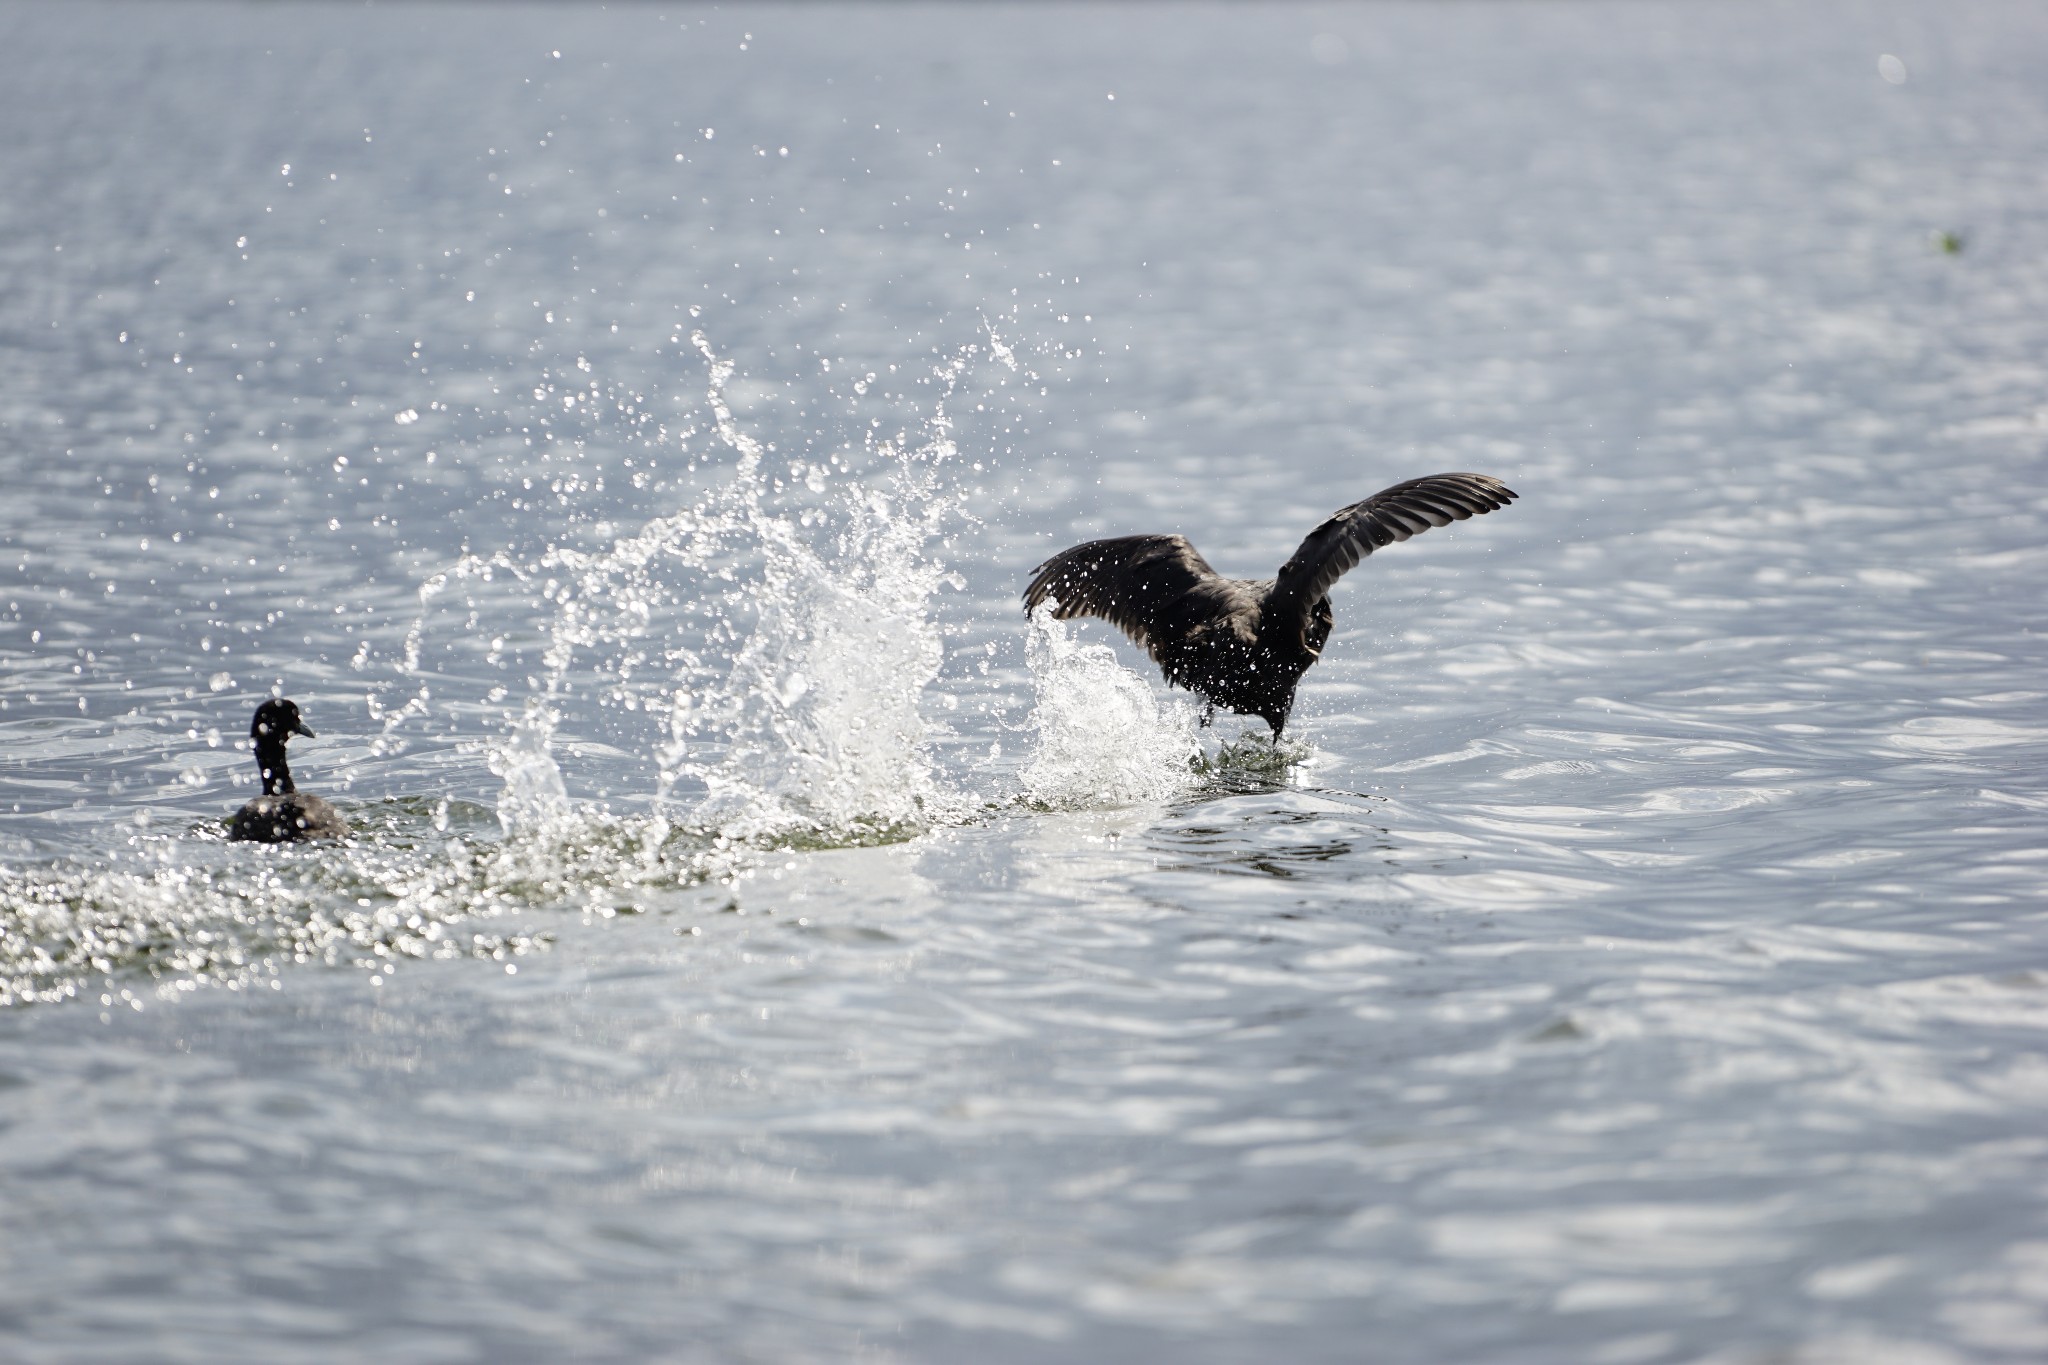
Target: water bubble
(1891, 69)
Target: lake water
(626, 432)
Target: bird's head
(276, 721)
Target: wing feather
(1392, 514)
(1155, 589)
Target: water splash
(1101, 736)
(767, 647)
(820, 715)
(535, 798)
(1255, 762)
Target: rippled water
(627, 432)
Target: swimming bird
(283, 813)
(1244, 643)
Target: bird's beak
(302, 729)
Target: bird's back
(286, 819)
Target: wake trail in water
(754, 671)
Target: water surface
(626, 433)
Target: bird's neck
(277, 777)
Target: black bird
(283, 813)
(1244, 643)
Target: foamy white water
(627, 434)
(1101, 736)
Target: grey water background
(1646, 963)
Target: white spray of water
(1102, 738)
(777, 631)
(821, 714)
(535, 798)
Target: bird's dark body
(283, 814)
(282, 819)
(1244, 643)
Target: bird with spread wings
(1244, 643)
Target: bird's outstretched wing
(1350, 535)
(1155, 589)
